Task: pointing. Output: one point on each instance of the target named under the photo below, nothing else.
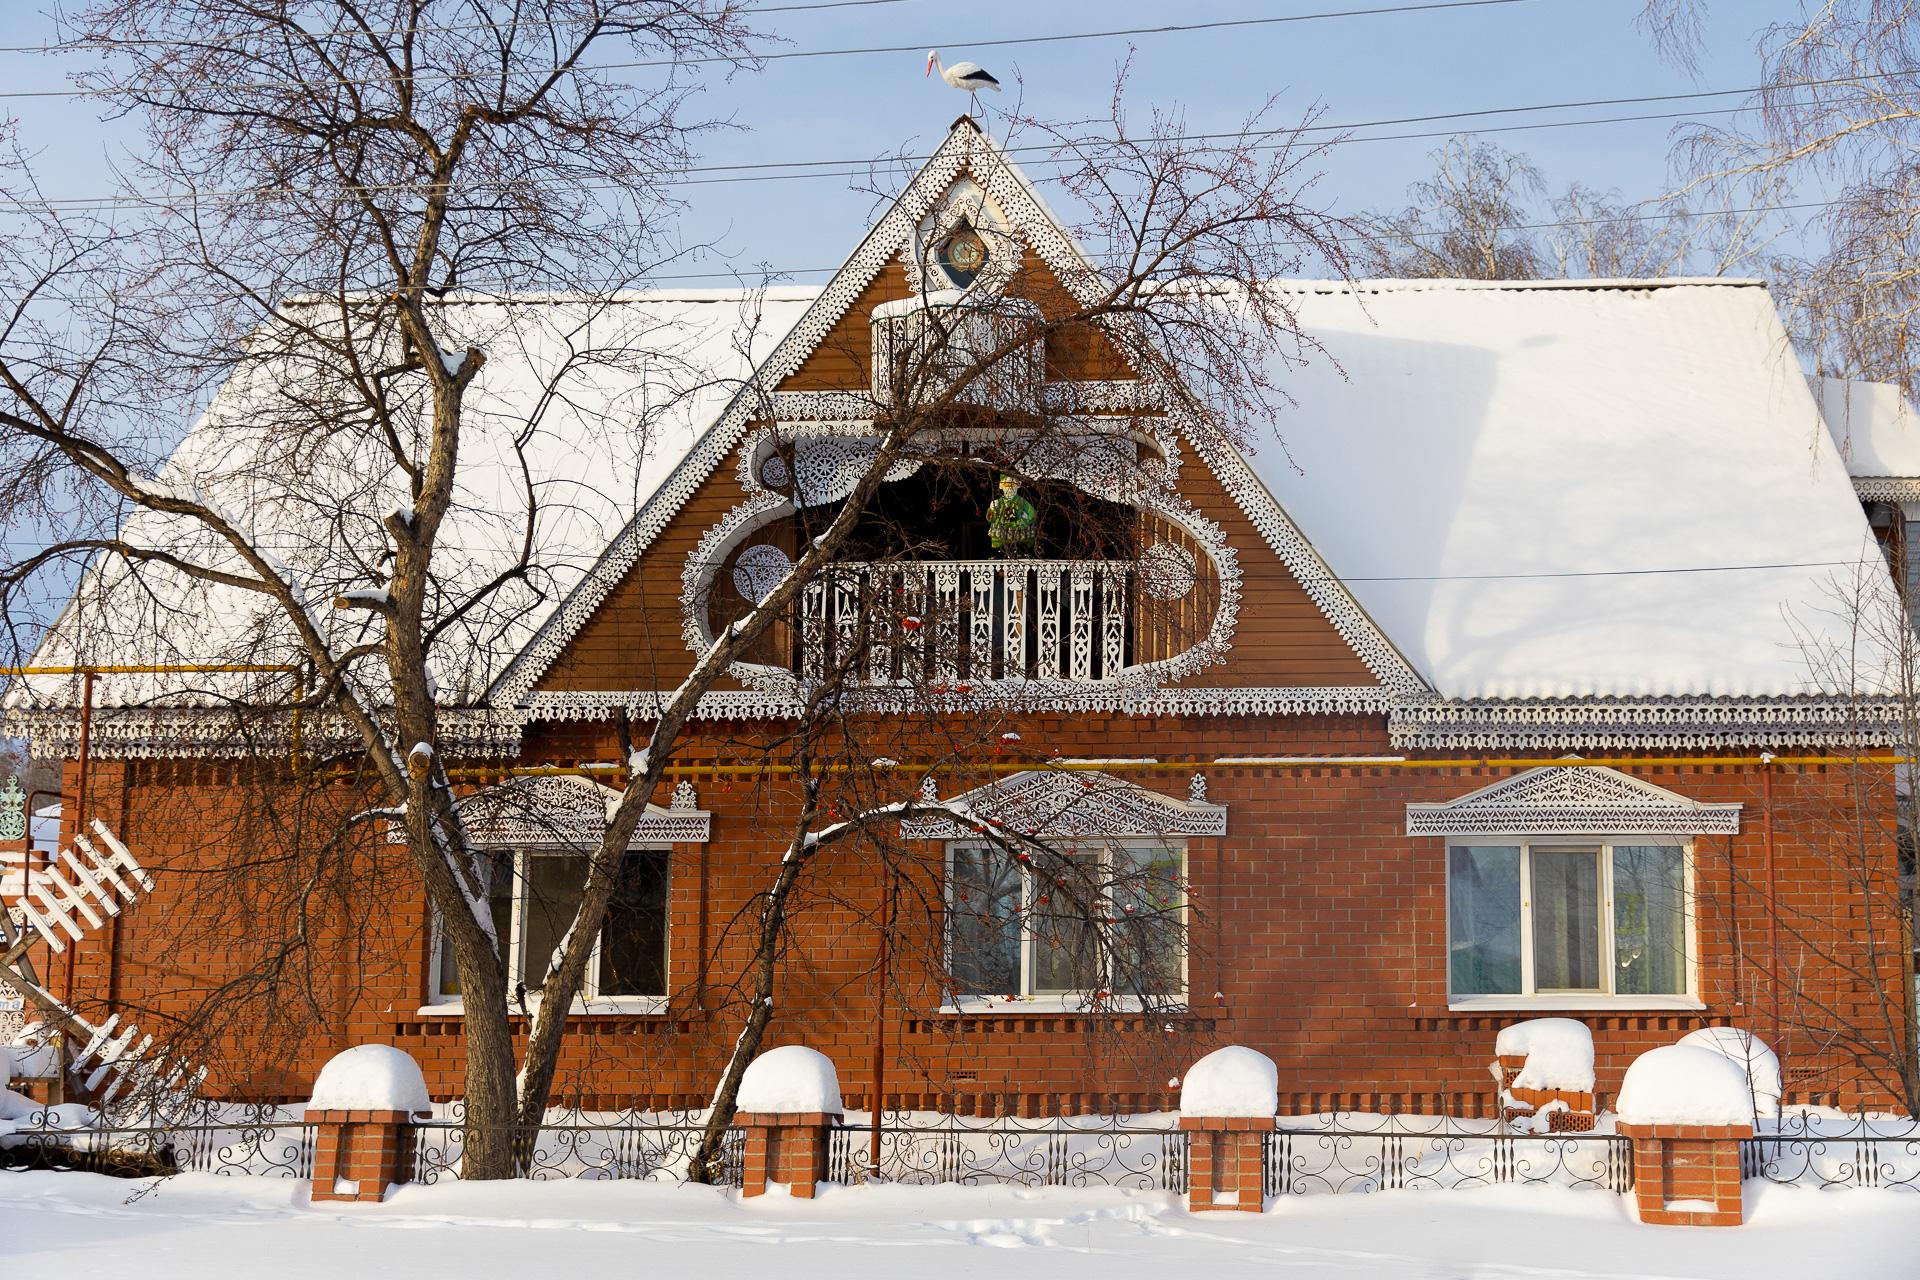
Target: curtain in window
(983, 922)
(1649, 920)
(1483, 919)
(1566, 920)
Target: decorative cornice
(53, 733)
(1655, 724)
(1887, 488)
(1063, 804)
(1572, 800)
(571, 812)
(752, 704)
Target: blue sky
(1360, 68)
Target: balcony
(983, 620)
(934, 343)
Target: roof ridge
(1440, 284)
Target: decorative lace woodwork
(1072, 804)
(1572, 800)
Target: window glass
(498, 868)
(1566, 920)
(633, 942)
(553, 885)
(1067, 897)
(1483, 915)
(984, 921)
(1147, 911)
(1649, 920)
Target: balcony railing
(968, 620)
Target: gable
(1287, 623)
(1573, 800)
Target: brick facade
(1317, 936)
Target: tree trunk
(488, 1148)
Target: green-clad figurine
(1010, 520)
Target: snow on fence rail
(1830, 1150)
(1330, 1153)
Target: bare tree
(1834, 125)
(329, 261)
(317, 178)
(1468, 220)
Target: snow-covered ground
(206, 1227)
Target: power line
(762, 171)
(83, 46)
(785, 55)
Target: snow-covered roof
(1875, 429)
(593, 402)
(1570, 489)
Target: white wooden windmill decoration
(77, 894)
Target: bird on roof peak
(970, 76)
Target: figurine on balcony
(1010, 520)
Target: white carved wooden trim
(571, 811)
(1587, 800)
(1071, 804)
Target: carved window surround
(1572, 800)
(1067, 804)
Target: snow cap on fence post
(371, 1077)
(1687, 1109)
(1227, 1101)
(1748, 1052)
(362, 1110)
(788, 1080)
(788, 1104)
(1232, 1081)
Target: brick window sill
(1577, 1004)
(1075, 1006)
(596, 1006)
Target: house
(1501, 677)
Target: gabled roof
(1572, 489)
(970, 153)
(621, 388)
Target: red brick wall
(1319, 922)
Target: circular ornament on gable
(1167, 572)
(759, 570)
(775, 473)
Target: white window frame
(589, 1001)
(1574, 1000)
(1068, 1001)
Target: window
(533, 894)
(1565, 920)
(1104, 919)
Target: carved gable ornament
(1585, 800)
(565, 810)
(1073, 804)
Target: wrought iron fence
(646, 1145)
(1064, 1151)
(1348, 1152)
(1832, 1152)
(203, 1137)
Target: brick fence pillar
(785, 1148)
(1687, 1175)
(357, 1155)
(1224, 1160)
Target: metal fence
(1832, 1152)
(1335, 1153)
(1349, 1152)
(590, 1145)
(1142, 1153)
(233, 1139)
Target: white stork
(970, 76)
